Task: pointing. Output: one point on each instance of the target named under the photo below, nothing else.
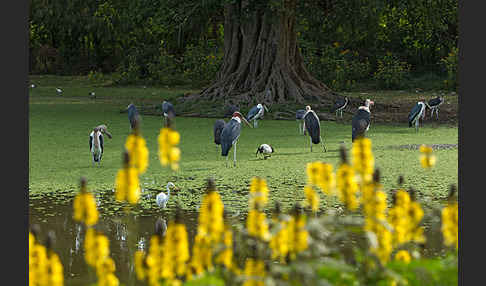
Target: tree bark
(260, 54)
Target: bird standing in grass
(434, 104)
(96, 142)
(299, 116)
(168, 110)
(361, 120)
(312, 126)
(59, 91)
(161, 199)
(339, 106)
(230, 134)
(133, 115)
(256, 113)
(417, 111)
(265, 150)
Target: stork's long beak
(246, 121)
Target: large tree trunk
(260, 54)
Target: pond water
(126, 233)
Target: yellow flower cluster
(321, 175)
(374, 211)
(225, 257)
(137, 151)
(211, 216)
(127, 185)
(256, 225)
(258, 193)
(362, 158)
(201, 256)
(175, 254)
(312, 198)
(298, 234)
(254, 272)
(97, 255)
(279, 243)
(45, 267)
(427, 159)
(405, 217)
(450, 218)
(347, 186)
(84, 207)
(403, 255)
(169, 153)
(148, 267)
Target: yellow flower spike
(450, 219)
(258, 193)
(312, 198)
(362, 159)
(127, 183)
(403, 256)
(169, 153)
(347, 186)
(138, 152)
(427, 159)
(84, 206)
(328, 182)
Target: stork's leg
(323, 145)
(310, 143)
(437, 113)
(416, 125)
(234, 156)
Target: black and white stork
(59, 91)
(361, 120)
(312, 126)
(256, 113)
(217, 129)
(265, 150)
(434, 104)
(96, 142)
(133, 115)
(299, 116)
(417, 111)
(339, 106)
(230, 134)
(168, 110)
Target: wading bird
(312, 126)
(417, 111)
(161, 198)
(96, 142)
(265, 150)
(217, 129)
(133, 115)
(59, 91)
(230, 134)
(256, 113)
(361, 120)
(339, 106)
(299, 116)
(434, 104)
(168, 110)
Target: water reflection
(127, 233)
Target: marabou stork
(313, 127)
(230, 134)
(299, 116)
(133, 115)
(59, 91)
(256, 113)
(417, 111)
(168, 110)
(96, 142)
(217, 129)
(265, 150)
(339, 106)
(161, 199)
(361, 120)
(434, 104)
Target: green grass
(59, 150)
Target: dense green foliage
(181, 42)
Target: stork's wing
(90, 142)
(339, 103)
(299, 114)
(360, 123)
(252, 113)
(313, 126)
(168, 108)
(217, 129)
(413, 113)
(229, 134)
(434, 101)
